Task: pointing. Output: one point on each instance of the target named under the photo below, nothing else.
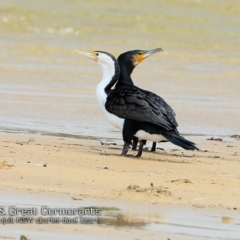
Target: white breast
(142, 135)
(113, 119)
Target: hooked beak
(148, 53)
(92, 55)
(151, 52)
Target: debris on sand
(215, 139)
(235, 136)
(21, 143)
(22, 237)
(102, 143)
(198, 205)
(4, 164)
(227, 220)
(182, 180)
(74, 198)
(151, 190)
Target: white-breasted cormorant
(138, 112)
(127, 62)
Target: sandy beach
(80, 169)
(57, 148)
(208, 178)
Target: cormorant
(138, 112)
(127, 62)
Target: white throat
(108, 71)
(107, 74)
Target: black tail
(173, 137)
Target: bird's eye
(97, 54)
(140, 53)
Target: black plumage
(143, 114)
(134, 103)
(142, 109)
(127, 62)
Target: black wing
(134, 103)
(160, 104)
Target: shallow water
(170, 221)
(45, 87)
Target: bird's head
(103, 58)
(133, 58)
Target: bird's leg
(128, 135)
(134, 144)
(140, 149)
(125, 149)
(146, 149)
(153, 149)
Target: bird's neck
(110, 74)
(124, 79)
(125, 75)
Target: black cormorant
(138, 112)
(127, 62)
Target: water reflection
(121, 220)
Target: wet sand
(128, 220)
(85, 169)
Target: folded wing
(141, 105)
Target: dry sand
(208, 178)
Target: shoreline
(194, 191)
(100, 172)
